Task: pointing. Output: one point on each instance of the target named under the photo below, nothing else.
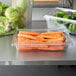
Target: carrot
(52, 33)
(37, 45)
(57, 47)
(22, 47)
(29, 33)
(50, 36)
(53, 38)
(42, 40)
(39, 38)
(30, 47)
(33, 37)
(52, 48)
(27, 36)
(23, 40)
(61, 39)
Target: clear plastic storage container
(67, 21)
(41, 46)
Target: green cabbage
(3, 20)
(22, 4)
(17, 25)
(1, 30)
(12, 14)
(15, 15)
(0, 10)
(3, 5)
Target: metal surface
(10, 56)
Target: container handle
(65, 9)
(48, 17)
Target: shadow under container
(41, 46)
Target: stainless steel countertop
(10, 56)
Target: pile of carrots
(34, 39)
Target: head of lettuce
(12, 14)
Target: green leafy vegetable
(12, 14)
(0, 10)
(74, 16)
(3, 20)
(10, 32)
(1, 30)
(15, 16)
(17, 25)
(7, 33)
(72, 27)
(67, 17)
(60, 14)
(3, 5)
(22, 4)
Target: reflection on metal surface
(36, 56)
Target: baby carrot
(30, 47)
(52, 48)
(40, 46)
(61, 39)
(27, 36)
(29, 33)
(57, 47)
(40, 38)
(22, 47)
(22, 40)
(52, 33)
(50, 36)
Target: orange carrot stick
(61, 39)
(22, 47)
(30, 47)
(29, 33)
(52, 48)
(33, 37)
(27, 36)
(52, 33)
(22, 40)
(50, 36)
